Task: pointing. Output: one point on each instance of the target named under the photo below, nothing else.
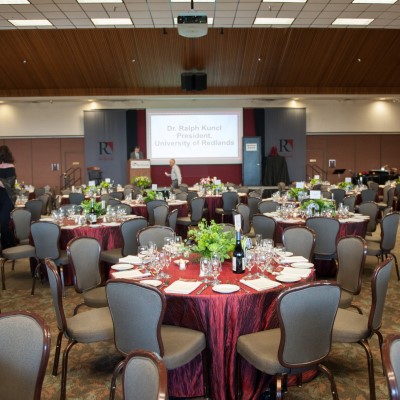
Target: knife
(202, 289)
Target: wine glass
(216, 268)
(164, 261)
(258, 239)
(157, 265)
(205, 267)
(250, 259)
(178, 245)
(143, 252)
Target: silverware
(243, 288)
(202, 289)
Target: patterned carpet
(90, 366)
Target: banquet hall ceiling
(75, 58)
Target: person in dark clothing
(7, 195)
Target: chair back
(129, 231)
(373, 185)
(156, 234)
(21, 219)
(371, 209)
(389, 226)
(84, 258)
(35, 207)
(338, 195)
(351, 253)
(368, 195)
(160, 214)
(385, 194)
(117, 195)
(182, 196)
(300, 240)
(379, 285)
(263, 225)
(266, 206)
(190, 196)
(137, 327)
(184, 187)
(326, 230)
(196, 207)
(144, 376)
(391, 364)
(46, 236)
(56, 294)
(228, 227)
(350, 201)
(76, 198)
(171, 218)
(122, 206)
(244, 211)
(39, 191)
(229, 201)
(306, 315)
(151, 205)
(113, 201)
(390, 196)
(24, 354)
(252, 202)
(45, 199)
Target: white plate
(225, 288)
(287, 278)
(285, 253)
(151, 282)
(122, 267)
(302, 265)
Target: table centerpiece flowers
(321, 206)
(295, 193)
(212, 184)
(87, 205)
(209, 238)
(142, 182)
(149, 195)
(347, 186)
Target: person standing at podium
(136, 154)
(176, 177)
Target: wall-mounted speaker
(193, 81)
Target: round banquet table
(223, 318)
(140, 209)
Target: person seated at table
(136, 153)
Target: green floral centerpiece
(210, 238)
(315, 181)
(87, 205)
(142, 182)
(294, 193)
(319, 205)
(149, 195)
(345, 186)
(105, 185)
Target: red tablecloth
(222, 317)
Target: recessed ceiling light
(30, 22)
(374, 1)
(273, 21)
(352, 21)
(10, 2)
(99, 1)
(112, 21)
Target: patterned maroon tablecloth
(222, 317)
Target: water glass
(258, 240)
(216, 269)
(205, 269)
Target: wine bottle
(238, 266)
(92, 213)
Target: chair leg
(57, 353)
(238, 377)
(116, 372)
(364, 343)
(70, 344)
(3, 275)
(299, 380)
(61, 268)
(279, 387)
(380, 339)
(329, 375)
(397, 266)
(13, 265)
(37, 269)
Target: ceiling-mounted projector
(192, 24)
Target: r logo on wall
(106, 150)
(286, 147)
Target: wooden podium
(137, 167)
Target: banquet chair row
(24, 354)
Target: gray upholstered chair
(117, 195)
(371, 209)
(389, 225)
(391, 364)
(373, 185)
(244, 211)
(144, 376)
(76, 198)
(24, 354)
(156, 234)
(160, 214)
(338, 195)
(350, 327)
(368, 195)
(350, 201)
(87, 327)
(140, 327)
(113, 202)
(151, 205)
(182, 196)
(196, 213)
(252, 202)
(21, 219)
(326, 231)
(306, 314)
(351, 253)
(267, 206)
(122, 206)
(45, 199)
(300, 240)
(263, 225)
(35, 207)
(84, 258)
(171, 218)
(46, 237)
(229, 202)
(129, 230)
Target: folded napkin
(301, 272)
(289, 260)
(131, 273)
(130, 260)
(69, 226)
(260, 283)
(182, 287)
